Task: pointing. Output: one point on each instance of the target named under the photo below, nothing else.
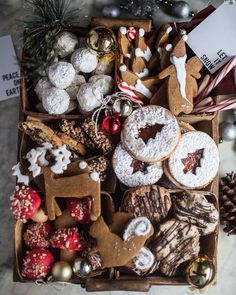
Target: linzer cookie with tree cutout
(195, 161)
(150, 134)
(133, 172)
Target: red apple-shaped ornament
(111, 124)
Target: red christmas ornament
(111, 124)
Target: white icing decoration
(123, 68)
(128, 55)
(62, 158)
(147, 54)
(169, 47)
(32, 157)
(143, 74)
(169, 29)
(20, 177)
(141, 32)
(142, 89)
(139, 226)
(144, 260)
(185, 38)
(82, 165)
(123, 30)
(160, 51)
(94, 176)
(179, 63)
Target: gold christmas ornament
(62, 271)
(102, 41)
(82, 267)
(201, 272)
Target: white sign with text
(9, 69)
(214, 39)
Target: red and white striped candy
(124, 87)
(131, 33)
(224, 104)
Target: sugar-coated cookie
(195, 161)
(133, 172)
(150, 134)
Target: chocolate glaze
(149, 202)
(149, 131)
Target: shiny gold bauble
(200, 272)
(103, 42)
(123, 106)
(62, 271)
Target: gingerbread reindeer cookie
(181, 85)
(118, 251)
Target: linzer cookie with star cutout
(151, 201)
(133, 172)
(195, 162)
(150, 134)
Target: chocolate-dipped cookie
(175, 242)
(193, 207)
(151, 201)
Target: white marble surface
(8, 139)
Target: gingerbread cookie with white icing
(195, 161)
(133, 172)
(150, 134)
(126, 48)
(182, 85)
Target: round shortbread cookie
(132, 172)
(150, 133)
(195, 162)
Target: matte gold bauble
(200, 272)
(62, 271)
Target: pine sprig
(46, 18)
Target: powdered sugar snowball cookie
(55, 101)
(83, 60)
(132, 172)
(61, 74)
(41, 85)
(195, 162)
(104, 83)
(66, 44)
(73, 89)
(150, 133)
(104, 68)
(89, 98)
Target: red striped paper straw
(227, 68)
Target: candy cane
(124, 87)
(227, 68)
(204, 102)
(225, 104)
(203, 84)
(131, 33)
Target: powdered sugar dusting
(140, 226)
(189, 143)
(122, 164)
(156, 148)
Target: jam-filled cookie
(150, 134)
(195, 162)
(133, 172)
